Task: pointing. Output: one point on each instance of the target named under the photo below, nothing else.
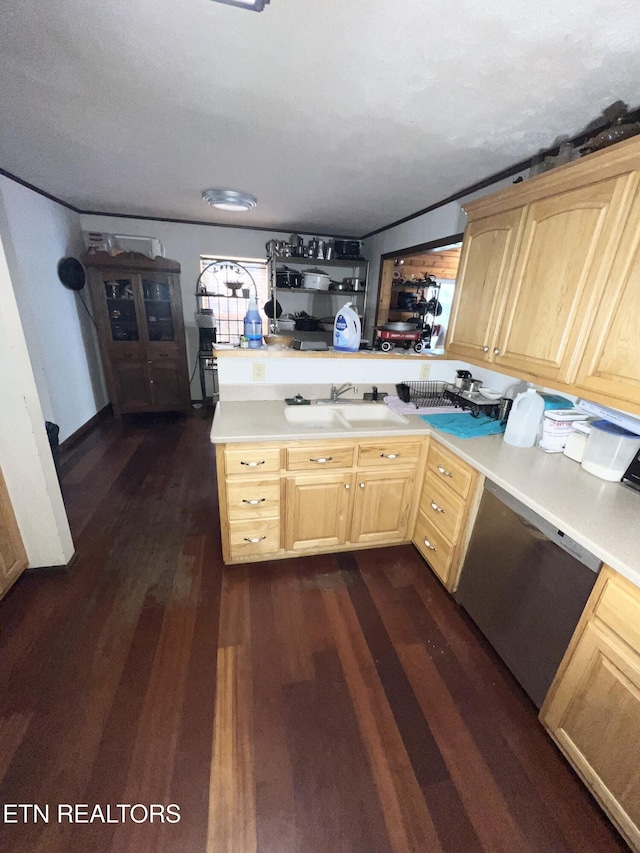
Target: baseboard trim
(75, 437)
(31, 571)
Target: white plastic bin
(609, 450)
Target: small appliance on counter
(631, 476)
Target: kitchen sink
(343, 416)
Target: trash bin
(53, 431)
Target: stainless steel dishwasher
(524, 583)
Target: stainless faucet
(339, 391)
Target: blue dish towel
(464, 425)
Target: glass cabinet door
(156, 293)
(121, 308)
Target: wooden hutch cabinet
(138, 310)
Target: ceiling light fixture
(254, 5)
(229, 200)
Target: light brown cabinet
(141, 330)
(592, 710)
(308, 497)
(318, 508)
(548, 279)
(13, 558)
(448, 500)
(486, 266)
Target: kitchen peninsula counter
(603, 517)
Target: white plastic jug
(346, 330)
(524, 419)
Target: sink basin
(371, 413)
(343, 416)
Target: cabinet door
(160, 324)
(130, 383)
(166, 381)
(567, 243)
(382, 504)
(318, 509)
(121, 308)
(611, 359)
(13, 558)
(485, 268)
(594, 716)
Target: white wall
(25, 457)
(60, 337)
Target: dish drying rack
(434, 393)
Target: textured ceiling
(341, 116)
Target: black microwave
(631, 476)
(348, 249)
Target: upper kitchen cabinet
(537, 264)
(566, 246)
(485, 269)
(610, 366)
(141, 331)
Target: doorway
(404, 272)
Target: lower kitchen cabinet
(13, 558)
(310, 497)
(448, 500)
(381, 506)
(317, 510)
(592, 710)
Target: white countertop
(603, 517)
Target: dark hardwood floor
(357, 709)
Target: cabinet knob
(435, 506)
(496, 351)
(254, 540)
(389, 455)
(362, 485)
(321, 459)
(485, 349)
(253, 502)
(429, 545)
(444, 471)
(253, 464)
(347, 486)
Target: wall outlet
(258, 371)
(425, 371)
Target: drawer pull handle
(321, 459)
(389, 455)
(444, 471)
(253, 464)
(253, 502)
(255, 540)
(435, 506)
(429, 545)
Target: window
(228, 282)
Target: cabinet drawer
(388, 452)
(251, 459)
(619, 608)
(318, 457)
(251, 538)
(449, 469)
(253, 499)
(436, 550)
(442, 506)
